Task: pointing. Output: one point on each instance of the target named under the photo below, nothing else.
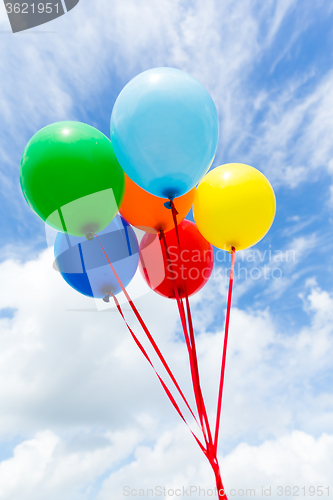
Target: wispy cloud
(77, 72)
(73, 373)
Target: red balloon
(193, 267)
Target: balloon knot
(106, 298)
(90, 236)
(173, 208)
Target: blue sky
(268, 67)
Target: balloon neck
(90, 236)
(171, 206)
(107, 297)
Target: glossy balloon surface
(164, 130)
(234, 206)
(71, 178)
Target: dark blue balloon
(84, 266)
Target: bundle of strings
(210, 447)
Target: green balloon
(71, 178)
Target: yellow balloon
(234, 206)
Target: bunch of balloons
(93, 190)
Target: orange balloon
(147, 212)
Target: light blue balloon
(84, 266)
(164, 131)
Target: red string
(211, 449)
(150, 338)
(195, 361)
(142, 349)
(193, 353)
(187, 339)
(224, 356)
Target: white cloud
(45, 466)
(294, 460)
(80, 376)
(27, 468)
(83, 353)
(48, 467)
